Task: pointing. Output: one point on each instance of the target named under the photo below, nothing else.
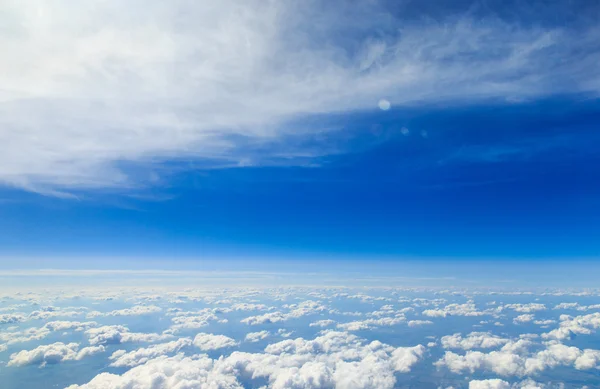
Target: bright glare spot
(384, 105)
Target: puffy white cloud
(493, 383)
(369, 323)
(322, 323)
(524, 308)
(257, 336)
(167, 373)
(467, 309)
(419, 323)
(545, 322)
(305, 308)
(513, 359)
(250, 307)
(30, 334)
(121, 358)
(474, 340)
(207, 342)
(525, 318)
(273, 317)
(137, 310)
(576, 306)
(51, 312)
(52, 353)
(194, 320)
(70, 325)
(9, 318)
(119, 334)
(578, 325)
(334, 359)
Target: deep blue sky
(487, 181)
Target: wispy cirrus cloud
(98, 94)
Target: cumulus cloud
(122, 358)
(88, 86)
(475, 340)
(38, 333)
(10, 318)
(493, 383)
(335, 359)
(257, 336)
(322, 323)
(419, 323)
(358, 325)
(194, 320)
(525, 318)
(467, 309)
(207, 342)
(51, 354)
(120, 334)
(168, 373)
(578, 325)
(137, 310)
(305, 308)
(524, 308)
(513, 359)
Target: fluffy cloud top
(207, 342)
(494, 383)
(257, 336)
(140, 356)
(51, 354)
(335, 359)
(473, 341)
(120, 334)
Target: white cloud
(578, 325)
(257, 336)
(493, 383)
(70, 325)
(514, 360)
(335, 359)
(419, 323)
(169, 373)
(322, 323)
(525, 318)
(208, 342)
(305, 308)
(120, 334)
(474, 340)
(249, 307)
(10, 318)
(524, 308)
(51, 354)
(31, 334)
(467, 309)
(87, 86)
(369, 323)
(137, 357)
(194, 320)
(138, 310)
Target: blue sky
(259, 133)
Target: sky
(251, 135)
(300, 194)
